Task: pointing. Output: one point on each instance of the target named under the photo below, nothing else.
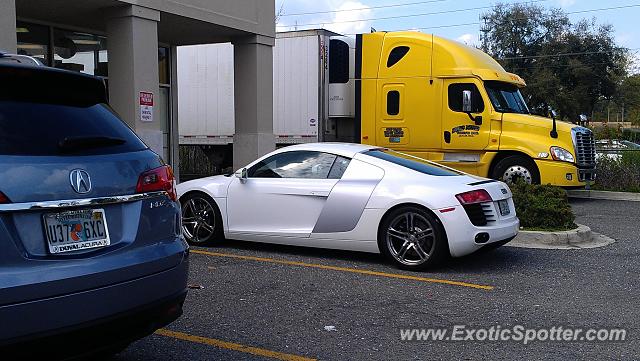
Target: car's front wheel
(412, 238)
(201, 220)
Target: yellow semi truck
(441, 100)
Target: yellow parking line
(232, 346)
(345, 269)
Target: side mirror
(241, 174)
(466, 101)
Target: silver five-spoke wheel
(410, 238)
(198, 220)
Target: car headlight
(561, 154)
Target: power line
(472, 23)
(514, 19)
(413, 15)
(367, 8)
(562, 54)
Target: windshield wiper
(78, 143)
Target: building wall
(252, 16)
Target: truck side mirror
(466, 101)
(467, 107)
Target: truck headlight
(562, 154)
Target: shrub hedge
(619, 174)
(542, 207)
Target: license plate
(504, 207)
(76, 230)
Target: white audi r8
(351, 197)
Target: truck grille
(480, 214)
(585, 153)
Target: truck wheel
(201, 220)
(412, 239)
(516, 167)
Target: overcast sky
(461, 25)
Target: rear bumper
(461, 234)
(97, 319)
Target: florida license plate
(76, 230)
(504, 207)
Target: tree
(628, 99)
(569, 67)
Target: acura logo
(80, 181)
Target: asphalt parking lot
(262, 302)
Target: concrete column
(175, 139)
(8, 39)
(132, 36)
(253, 83)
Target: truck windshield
(505, 97)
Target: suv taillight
(158, 179)
(4, 199)
(473, 197)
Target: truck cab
(447, 102)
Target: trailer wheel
(516, 167)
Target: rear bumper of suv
(94, 319)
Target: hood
(536, 130)
(538, 121)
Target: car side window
(455, 97)
(339, 167)
(294, 164)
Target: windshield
(505, 97)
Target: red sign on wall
(146, 106)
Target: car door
(283, 195)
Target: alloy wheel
(410, 238)
(198, 220)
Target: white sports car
(351, 197)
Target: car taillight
(472, 197)
(4, 199)
(158, 179)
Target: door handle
(319, 193)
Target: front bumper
(563, 174)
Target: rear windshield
(45, 129)
(411, 162)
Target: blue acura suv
(91, 251)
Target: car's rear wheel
(201, 220)
(412, 238)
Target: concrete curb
(581, 237)
(606, 195)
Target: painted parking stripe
(231, 346)
(346, 269)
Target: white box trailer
(312, 100)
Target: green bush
(607, 132)
(542, 207)
(621, 174)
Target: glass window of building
(163, 65)
(77, 51)
(33, 40)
